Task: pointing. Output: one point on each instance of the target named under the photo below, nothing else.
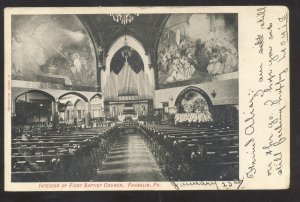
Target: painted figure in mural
(52, 46)
(177, 62)
(26, 53)
(207, 46)
(223, 60)
(77, 66)
(17, 47)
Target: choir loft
(124, 97)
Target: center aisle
(130, 160)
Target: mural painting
(53, 49)
(197, 46)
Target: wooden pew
(57, 157)
(215, 147)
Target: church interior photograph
(124, 97)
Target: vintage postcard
(147, 98)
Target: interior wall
(227, 113)
(16, 91)
(19, 89)
(226, 93)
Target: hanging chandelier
(123, 18)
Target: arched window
(193, 105)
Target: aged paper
(261, 98)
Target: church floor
(130, 160)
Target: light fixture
(99, 50)
(123, 18)
(127, 51)
(100, 57)
(213, 94)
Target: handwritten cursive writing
(261, 13)
(260, 43)
(197, 183)
(251, 169)
(250, 121)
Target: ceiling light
(123, 18)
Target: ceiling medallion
(123, 18)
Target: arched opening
(33, 106)
(193, 105)
(79, 111)
(72, 107)
(97, 95)
(69, 112)
(96, 107)
(191, 89)
(113, 78)
(129, 85)
(73, 93)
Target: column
(66, 114)
(98, 80)
(75, 114)
(13, 107)
(54, 111)
(87, 108)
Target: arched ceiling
(146, 28)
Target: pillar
(66, 114)
(54, 110)
(87, 108)
(98, 85)
(13, 107)
(74, 114)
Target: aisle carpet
(130, 160)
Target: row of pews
(206, 153)
(60, 155)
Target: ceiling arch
(97, 95)
(74, 93)
(51, 97)
(145, 29)
(69, 103)
(133, 43)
